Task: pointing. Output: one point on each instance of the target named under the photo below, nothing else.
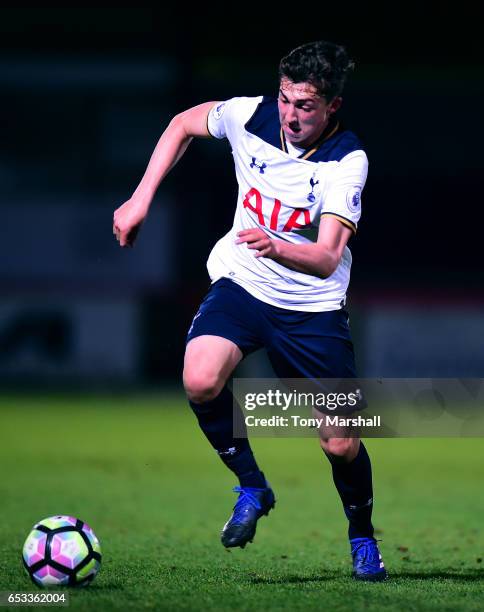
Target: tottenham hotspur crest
(311, 195)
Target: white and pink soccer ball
(62, 550)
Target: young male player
(297, 168)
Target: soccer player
(297, 168)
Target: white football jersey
(285, 195)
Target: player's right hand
(127, 220)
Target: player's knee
(340, 449)
(200, 387)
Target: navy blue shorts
(299, 344)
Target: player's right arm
(170, 148)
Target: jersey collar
(330, 130)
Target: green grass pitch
(140, 472)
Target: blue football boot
(367, 562)
(250, 506)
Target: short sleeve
(216, 120)
(341, 197)
(227, 119)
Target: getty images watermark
(385, 408)
(329, 402)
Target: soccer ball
(62, 550)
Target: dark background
(86, 92)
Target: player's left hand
(258, 240)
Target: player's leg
(330, 357)
(318, 345)
(352, 476)
(209, 362)
(222, 333)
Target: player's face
(303, 113)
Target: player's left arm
(319, 258)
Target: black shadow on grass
(476, 576)
(470, 576)
(293, 579)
